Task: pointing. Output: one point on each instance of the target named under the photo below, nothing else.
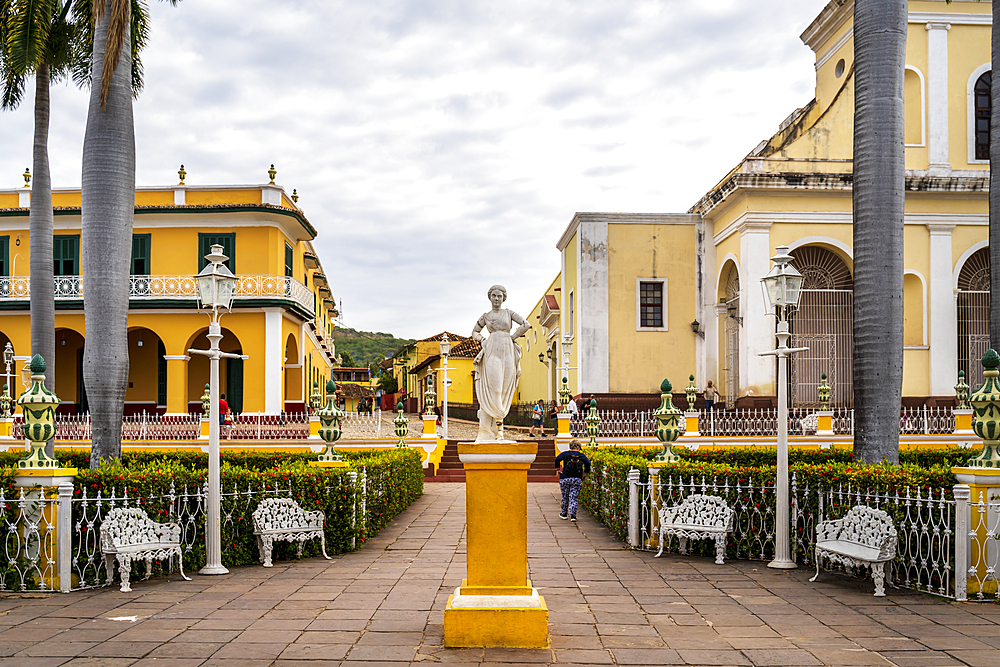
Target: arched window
(974, 315)
(983, 109)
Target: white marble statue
(498, 364)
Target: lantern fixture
(216, 283)
(783, 282)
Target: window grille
(651, 304)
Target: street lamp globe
(782, 283)
(445, 345)
(216, 283)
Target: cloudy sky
(441, 146)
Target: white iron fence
(759, 422)
(947, 546)
(53, 542)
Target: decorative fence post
(64, 536)
(962, 494)
(634, 513)
(353, 476)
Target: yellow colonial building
(281, 318)
(640, 297)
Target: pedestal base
(328, 464)
(513, 621)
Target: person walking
(554, 417)
(537, 413)
(573, 467)
(574, 417)
(709, 397)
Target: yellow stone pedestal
(563, 424)
(314, 428)
(6, 428)
(328, 464)
(496, 604)
(963, 422)
(430, 426)
(824, 422)
(691, 425)
(203, 435)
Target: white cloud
(443, 146)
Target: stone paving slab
(384, 606)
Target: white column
(274, 361)
(756, 372)
(592, 311)
(23, 198)
(941, 321)
(937, 96)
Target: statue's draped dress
(497, 373)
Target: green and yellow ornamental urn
(564, 395)
(691, 393)
(962, 392)
(39, 407)
(206, 401)
(667, 418)
(823, 393)
(316, 398)
(593, 424)
(986, 413)
(330, 419)
(402, 425)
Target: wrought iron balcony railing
(171, 287)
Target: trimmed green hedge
(157, 482)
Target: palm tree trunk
(994, 188)
(42, 300)
(879, 187)
(107, 211)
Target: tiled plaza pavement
(384, 604)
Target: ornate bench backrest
(699, 510)
(276, 513)
(127, 526)
(864, 525)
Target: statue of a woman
(498, 364)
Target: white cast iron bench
(282, 519)
(865, 536)
(698, 517)
(129, 535)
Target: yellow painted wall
(915, 378)
(211, 197)
(9, 200)
(639, 360)
(154, 198)
(964, 237)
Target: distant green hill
(366, 346)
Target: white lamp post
(445, 351)
(216, 286)
(781, 288)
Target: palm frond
(140, 37)
(27, 42)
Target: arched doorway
(824, 323)
(230, 371)
(731, 332)
(147, 373)
(974, 315)
(294, 401)
(69, 372)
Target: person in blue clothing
(573, 466)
